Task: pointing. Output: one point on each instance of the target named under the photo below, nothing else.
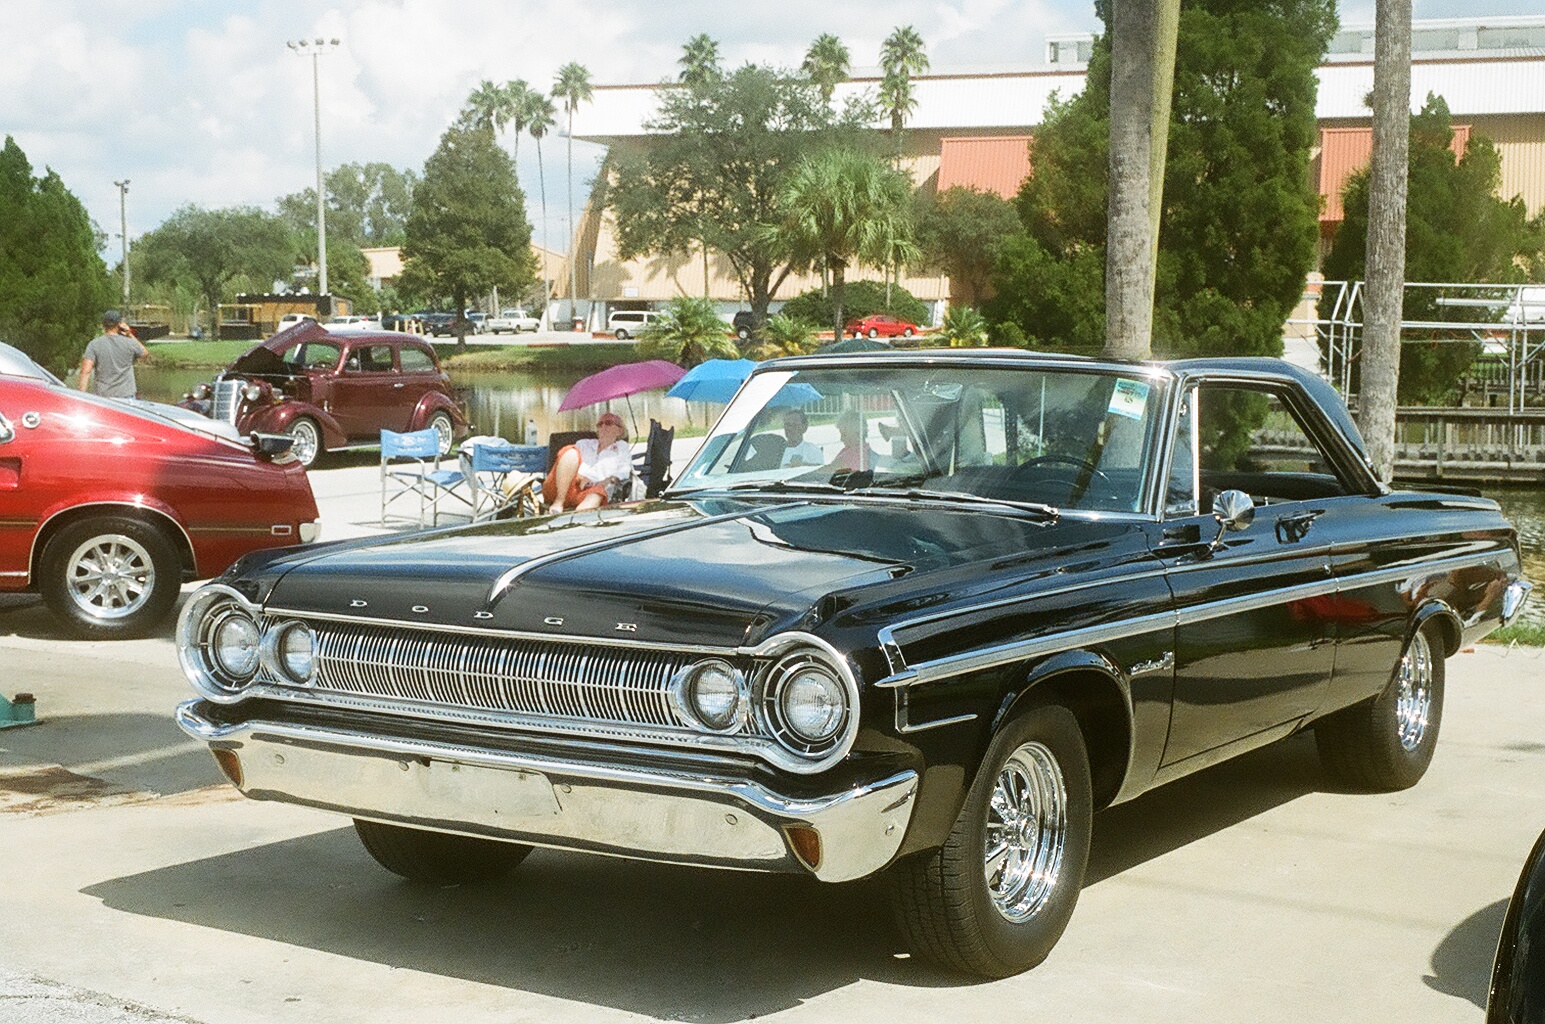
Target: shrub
(859, 299)
(783, 335)
(964, 327)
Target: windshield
(1071, 439)
(16, 363)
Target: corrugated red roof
(995, 163)
(1344, 151)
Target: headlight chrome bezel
(206, 612)
(683, 693)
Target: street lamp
(316, 47)
(123, 225)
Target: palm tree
(687, 332)
(517, 104)
(901, 57)
(488, 105)
(573, 87)
(845, 208)
(540, 118)
(699, 61)
(826, 64)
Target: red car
(108, 505)
(881, 325)
(331, 390)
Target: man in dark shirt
(107, 369)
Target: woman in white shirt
(584, 473)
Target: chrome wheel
(441, 424)
(110, 576)
(1413, 697)
(308, 441)
(1026, 834)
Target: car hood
(712, 571)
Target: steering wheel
(1082, 465)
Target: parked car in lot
(436, 324)
(881, 325)
(743, 322)
(996, 592)
(353, 323)
(478, 320)
(107, 506)
(289, 320)
(626, 323)
(330, 391)
(511, 321)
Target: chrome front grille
(555, 681)
(227, 401)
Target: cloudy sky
(199, 101)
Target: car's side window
(414, 360)
(1250, 439)
(371, 359)
(318, 355)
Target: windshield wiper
(772, 487)
(962, 497)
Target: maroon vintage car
(108, 505)
(332, 390)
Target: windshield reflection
(1034, 436)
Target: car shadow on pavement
(1199, 805)
(661, 941)
(1461, 963)
(25, 615)
(70, 761)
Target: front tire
(1385, 744)
(438, 857)
(110, 577)
(995, 898)
(906, 332)
(308, 440)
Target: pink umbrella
(620, 382)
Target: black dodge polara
(919, 613)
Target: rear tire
(622, 334)
(420, 855)
(874, 332)
(110, 577)
(1385, 744)
(441, 424)
(995, 898)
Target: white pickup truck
(512, 320)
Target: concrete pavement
(136, 883)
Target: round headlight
(233, 645)
(252, 392)
(713, 692)
(297, 650)
(811, 704)
(201, 392)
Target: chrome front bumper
(676, 817)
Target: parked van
(626, 323)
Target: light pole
(123, 226)
(316, 47)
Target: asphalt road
(135, 886)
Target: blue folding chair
(410, 465)
(494, 472)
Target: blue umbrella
(717, 380)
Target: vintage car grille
(227, 402)
(553, 680)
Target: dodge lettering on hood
(913, 613)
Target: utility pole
(123, 227)
(316, 47)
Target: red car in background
(332, 390)
(881, 325)
(108, 505)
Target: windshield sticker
(1128, 399)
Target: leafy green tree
(699, 61)
(1239, 220)
(53, 285)
(573, 88)
(843, 208)
(367, 205)
(468, 231)
(826, 64)
(961, 232)
(859, 299)
(687, 332)
(216, 253)
(1456, 230)
(721, 154)
(901, 57)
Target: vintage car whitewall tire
(1386, 743)
(110, 576)
(995, 898)
(308, 440)
(441, 424)
(424, 856)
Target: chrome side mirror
(1234, 510)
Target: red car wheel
(110, 577)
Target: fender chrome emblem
(627, 627)
(357, 603)
(420, 609)
(553, 620)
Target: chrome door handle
(398, 385)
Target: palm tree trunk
(573, 247)
(1386, 232)
(838, 268)
(547, 294)
(1142, 73)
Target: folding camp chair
(506, 479)
(653, 464)
(410, 465)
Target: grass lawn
(536, 358)
(197, 355)
(1522, 633)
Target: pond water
(501, 403)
